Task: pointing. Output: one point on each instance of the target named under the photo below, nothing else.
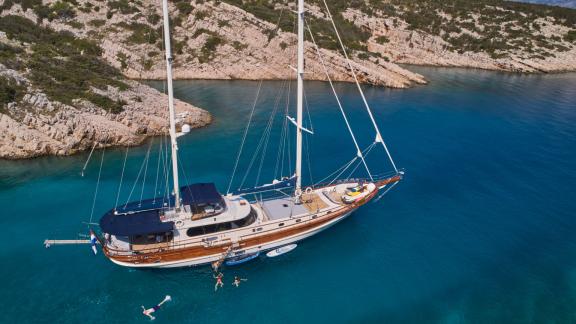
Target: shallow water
(480, 231)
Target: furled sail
(275, 185)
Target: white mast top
(171, 103)
(300, 91)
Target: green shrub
(61, 65)
(62, 10)
(111, 106)
(570, 36)
(239, 46)
(382, 40)
(10, 91)
(123, 59)
(185, 8)
(123, 6)
(207, 53)
(153, 18)
(97, 23)
(200, 15)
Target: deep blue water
(482, 229)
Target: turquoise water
(482, 230)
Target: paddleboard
(281, 250)
(241, 259)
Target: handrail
(220, 242)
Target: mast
(171, 104)
(300, 91)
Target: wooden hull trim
(199, 255)
(215, 257)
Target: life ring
(308, 190)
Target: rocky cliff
(64, 64)
(58, 96)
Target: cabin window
(195, 231)
(214, 228)
(298, 220)
(250, 219)
(151, 238)
(281, 224)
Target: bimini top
(138, 223)
(200, 194)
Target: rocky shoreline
(65, 130)
(221, 40)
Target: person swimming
(148, 312)
(237, 281)
(219, 281)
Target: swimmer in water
(237, 281)
(148, 312)
(219, 281)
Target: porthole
(281, 224)
(298, 220)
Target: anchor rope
(97, 186)
(88, 159)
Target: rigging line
(345, 166)
(97, 186)
(185, 176)
(379, 136)
(263, 141)
(244, 137)
(309, 159)
(88, 159)
(265, 148)
(167, 169)
(386, 191)
(308, 111)
(145, 172)
(135, 183)
(339, 103)
(121, 178)
(367, 151)
(282, 143)
(256, 152)
(341, 172)
(157, 171)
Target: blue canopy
(200, 194)
(146, 204)
(139, 223)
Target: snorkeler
(218, 281)
(237, 281)
(148, 312)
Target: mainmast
(300, 96)
(171, 103)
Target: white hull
(216, 257)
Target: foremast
(172, 113)
(300, 97)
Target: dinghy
(241, 259)
(281, 250)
